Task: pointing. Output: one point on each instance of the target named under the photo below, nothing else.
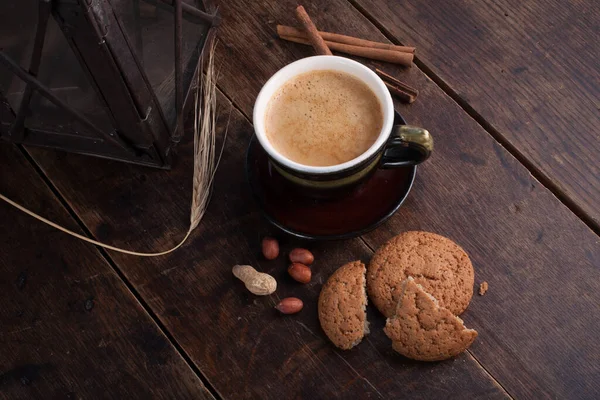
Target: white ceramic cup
(417, 140)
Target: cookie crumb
(483, 287)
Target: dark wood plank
(250, 350)
(477, 193)
(238, 340)
(69, 327)
(538, 321)
(489, 195)
(529, 68)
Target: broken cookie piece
(423, 330)
(342, 306)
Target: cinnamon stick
(401, 94)
(391, 56)
(283, 30)
(397, 83)
(311, 32)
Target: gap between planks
(104, 254)
(535, 171)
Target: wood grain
(528, 68)
(247, 350)
(238, 340)
(69, 327)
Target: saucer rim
(340, 236)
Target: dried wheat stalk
(205, 166)
(204, 139)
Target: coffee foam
(323, 118)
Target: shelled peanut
(270, 248)
(301, 256)
(290, 305)
(300, 272)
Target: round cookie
(435, 262)
(342, 306)
(422, 330)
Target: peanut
(270, 248)
(290, 305)
(300, 272)
(257, 283)
(301, 256)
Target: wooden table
(511, 91)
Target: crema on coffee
(323, 118)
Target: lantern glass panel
(61, 72)
(149, 26)
(18, 20)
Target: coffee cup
(393, 146)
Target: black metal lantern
(109, 78)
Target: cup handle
(407, 145)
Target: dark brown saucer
(291, 209)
